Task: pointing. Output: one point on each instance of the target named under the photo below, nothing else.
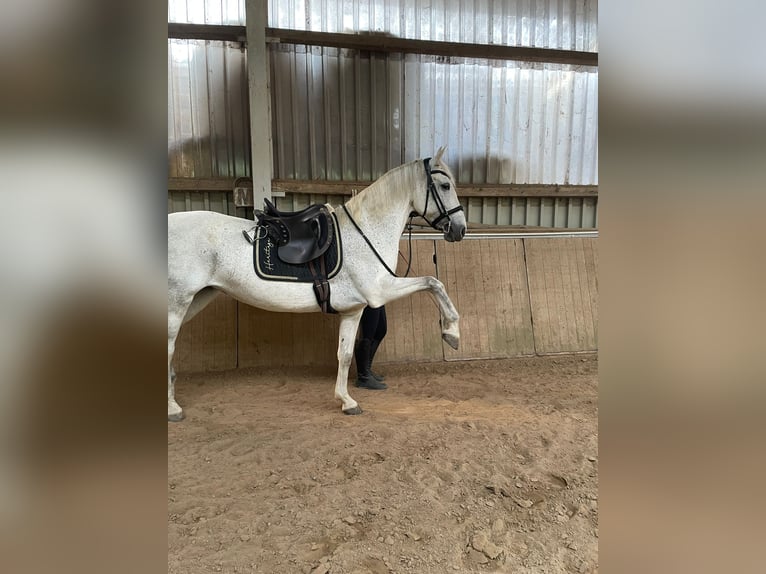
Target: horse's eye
(445, 186)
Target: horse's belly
(279, 296)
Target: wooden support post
(260, 99)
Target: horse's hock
(516, 297)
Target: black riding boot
(363, 377)
(373, 350)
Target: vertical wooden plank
(523, 333)
(591, 328)
(580, 324)
(209, 341)
(591, 262)
(497, 300)
(484, 280)
(537, 294)
(260, 114)
(570, 290)
(560, 322)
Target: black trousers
(373, 323)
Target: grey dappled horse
(207, 255)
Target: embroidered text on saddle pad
(270, 267)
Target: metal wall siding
(230, 12)
(208, 113)
(345, 115)
(559, 212)
(562, 24)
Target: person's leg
(369, 326)
(380, 334)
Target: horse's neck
(386, 204)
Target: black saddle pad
(270, 267)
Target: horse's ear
(439, 153)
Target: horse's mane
(404, 177)
(378, 194)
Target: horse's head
(439, 206)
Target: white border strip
(509, 235)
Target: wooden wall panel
(209, 341)
(564, 293)
(486, 280)
(268, 339)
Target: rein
(443, 212)
(375, 251)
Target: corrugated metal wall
(339, 114)
(230, 12)
(208, 118)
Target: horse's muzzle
(454, 232)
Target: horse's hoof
(357, 410)
(176, 417)
(451, 340)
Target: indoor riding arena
(480, 459)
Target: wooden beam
(200, 184)
(207, 32)
(324, 187)
(526, 190)
(382, 43)
(321, 187)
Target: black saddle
(301, 236)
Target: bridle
(431, 191)
(443, 213)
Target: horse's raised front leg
(346, 337)
(400, 287)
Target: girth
(301, 236)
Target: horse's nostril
(462, 232)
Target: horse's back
(187, 227)
(198, 221)
(198, 242)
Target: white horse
(207, 254)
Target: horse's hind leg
(200, 301)
(346, 337)
(176, 313)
